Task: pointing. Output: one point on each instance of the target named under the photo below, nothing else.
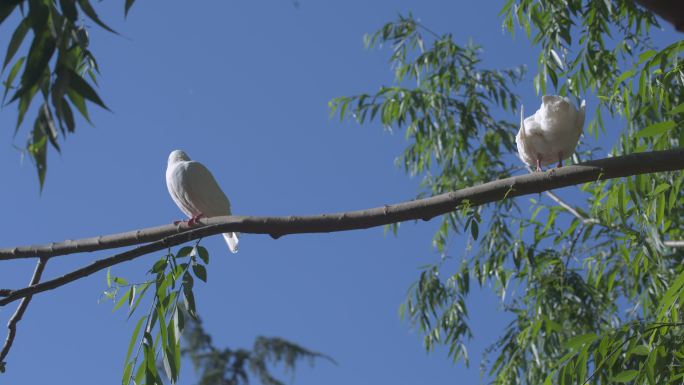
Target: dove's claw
(539, 165)
(560, 160)
(176, 223)
(195, 219)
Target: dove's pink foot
(195, 219)
(539, 164)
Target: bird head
(177, 156)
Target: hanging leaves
(58, 30)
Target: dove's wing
(174, 182)
(521, 140)
(203, 192)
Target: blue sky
(243, 87)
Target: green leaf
(200, 272)
(37, 148)
(677, 110)
(150, 364)
(6, 8)
(474, 229)
(24, 103)
(124, 298)
(189, 300)
(69, 9)
(129, 4)
(162, 326)
(17, 39)
(40, 53)
(578, 341)
(625, 75)
(78, 84)
(640, 350)
(668, 298)
(656, 129)
(12, 74)
(47, 124)
(626, 376)
(88, 10)
(126, 377)
(203, 254)
(67, 115)
(647, 55)
(79, 103)
(134, 340)
(184, 252)
(660, 188)
(160, 265)
(131, 309)
(171, 359)
(132, 296)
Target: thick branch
(608, 168)
(670, 10)
(602, 169)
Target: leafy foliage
(161, 328)
(566, 277)
(55, 67)
(172, 314)
(233, 367)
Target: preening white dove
(196, 192)
(552, 133)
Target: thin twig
(674, 244)
(16, 317)
(571, 210)
(567, 206)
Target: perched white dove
(552, 133)
(196, 192)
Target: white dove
(552, 133)
(196, 192)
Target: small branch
(425, 209)
(674, 244)
(567, 206)
(16, 317)
(571, 210)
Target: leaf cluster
(160, 330)
(583, 287)
(227, 366)
(58, 67)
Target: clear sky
(242, 87)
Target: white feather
(196, 192)
(552, 133)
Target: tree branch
(16, 317)
(670, 10)
(608, 168)
(167, 236)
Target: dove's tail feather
(232, 241)
(580, 116)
